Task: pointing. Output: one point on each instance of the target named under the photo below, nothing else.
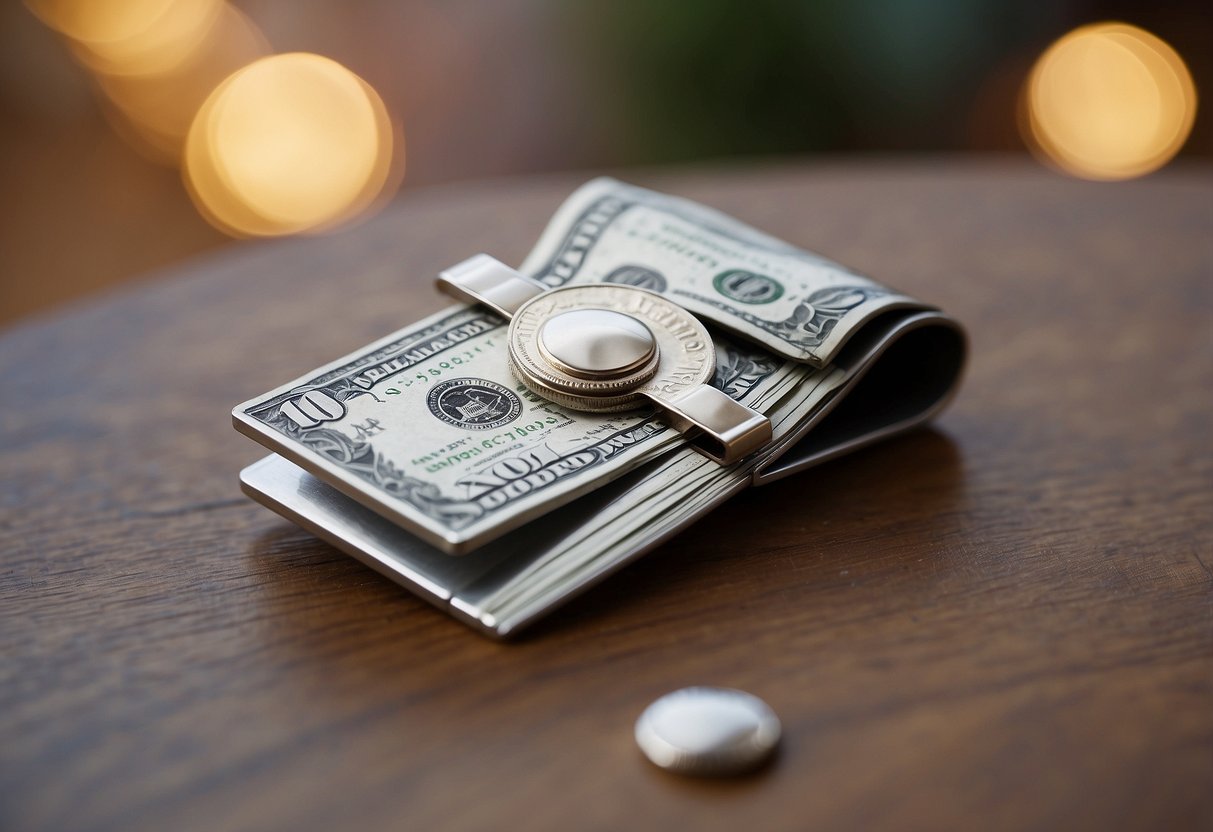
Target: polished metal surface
(486, 280)
(596, 343)
(467, 586)
(682, 352)
(675, 376)
(585, 348)
(708, 731)
(719, 422)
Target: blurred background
(137, 133)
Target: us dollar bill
(795, 303)
(429, 428)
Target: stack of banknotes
(421, 455)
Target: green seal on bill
(747, 287)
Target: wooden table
(1002, 623)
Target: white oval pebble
(708, 731)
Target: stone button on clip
(604, 348)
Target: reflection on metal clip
(486, 280)
(721, 428)
(606, 347)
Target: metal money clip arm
(605, 347)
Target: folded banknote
(422, 455)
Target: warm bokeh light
(288, 144)
(269, 145)
(121, 37)
(155, 110)
(1109, 101)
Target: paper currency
(791, 301)
(428, 427)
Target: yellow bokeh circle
(288, 144)
(130, 37)
(1109, 101)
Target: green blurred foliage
(686, 80)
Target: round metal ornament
(585, 347)
(606, 347)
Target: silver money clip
(604, 348)
(903, 368)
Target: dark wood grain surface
(1005, 622)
